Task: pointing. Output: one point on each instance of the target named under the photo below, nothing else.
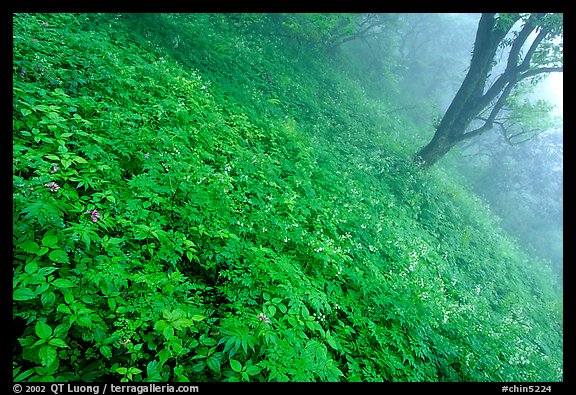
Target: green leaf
(292, 321)
(49, 240)
(62, 308)
(47, 270)
(43, 330)
(122, 371)
(58, 256)
(61, 330)
(85, 320)
(213, 363)
(182, 323)
(39, 342)
(68, 297)
(31, 267)
(208, 341)
(236, 366)
(332, 342)
(160, 325)
(134, 370)
(253, 370)
(24, 375)
(63, 283)
(47, 298)
(47, 355)
(42, 251)
(271, 311)
(23, 294)
(79, 159)
(179, 373)
(168, 332)
(57, 342)
(106, 351)
(153, 370)
(141, 232)
(30, 247)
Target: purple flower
(54, 169)
(262, 317)
(53, 186)
(95, 216)
(147, 155)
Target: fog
(552, 90)
(521, 178)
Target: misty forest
(287, 197)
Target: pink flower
(54, 169)
(262, 317)
(53, 186)
(147, 155)
(95, 216)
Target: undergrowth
(195, 200)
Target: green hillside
(212, 198)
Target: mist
(520, 177)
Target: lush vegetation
(213, 198)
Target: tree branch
(514, 54)
(541, 70)
(528, 58)
(513, 69)
(342, 38)
(489, 122)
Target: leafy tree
(532, 47)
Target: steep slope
(197, 200)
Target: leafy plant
(174, 221)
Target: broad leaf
(43, 330)
(23, 294)
(47, 355)
(236, 366)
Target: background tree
(532, 47)
(431, 54)
(523, 183)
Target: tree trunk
(466, 104)
(451, 129)
(436, 149)
(474, 99)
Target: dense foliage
(209, 198)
